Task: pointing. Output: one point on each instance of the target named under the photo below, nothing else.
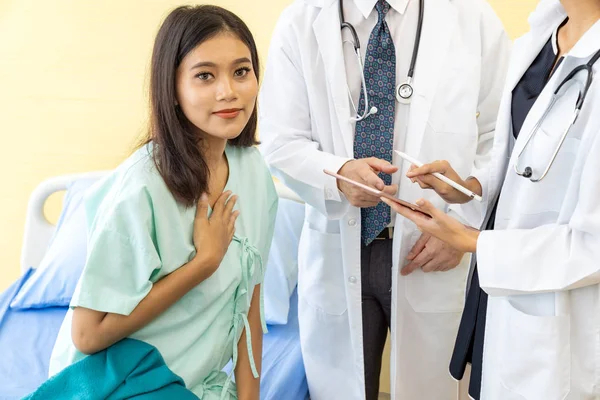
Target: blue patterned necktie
(374, 136)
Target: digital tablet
(376, 192)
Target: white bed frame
(39, 231)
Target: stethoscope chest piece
(404, 93)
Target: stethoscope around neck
(403, 91)
(588, 68)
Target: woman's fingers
(229, 206)
(231, 227)
(220, 204)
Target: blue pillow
(53, 282)
(281, 277)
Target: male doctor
(363, 269)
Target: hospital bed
(29, 322)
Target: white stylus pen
(441, 177)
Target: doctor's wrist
(468, 241)
(341, 172)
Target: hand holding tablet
(376, 192)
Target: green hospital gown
(138, 233)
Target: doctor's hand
(365, 171)
(432, 255)
(422, 176)
(440, 225)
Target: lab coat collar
(552, 13)
(548, 12)
(543, 22)
(588, 44)
(367, 6)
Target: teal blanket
(129, 369)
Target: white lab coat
(541, 266)
(305, 127)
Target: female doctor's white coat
(541, 267)
(305, 127)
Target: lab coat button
(352, 222)
(328, 194)
(352, 280)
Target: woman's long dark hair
(176, 143)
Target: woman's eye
(204, 76)
(242, 72)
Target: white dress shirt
(402, 20)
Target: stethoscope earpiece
(373, 110)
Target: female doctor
(539, 258)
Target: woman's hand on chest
(212, 235)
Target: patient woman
(175, 258)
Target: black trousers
(376, 281)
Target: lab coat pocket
(436, 292)
(535, 360)
(321, 271)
